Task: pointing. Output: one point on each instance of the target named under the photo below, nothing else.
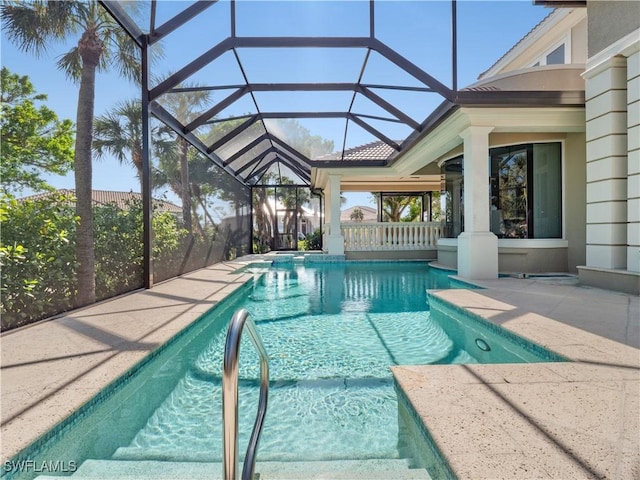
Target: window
(451, 198)
(525, 186)
(526, 196)
(556, 57)
(404, 207)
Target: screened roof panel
(244, 105)
(309, 19)
(313, 78)
(274, 174)
(186, 106)
(302, 65)
(364, 106)
(223, 71)
(140, 13)
(430, 22)
(236, 162)
(228, 137)
(190, 41)
(381, 71)
(165, 11)
(240, 142)
(392, 131)
(304, 101)
(410, 102)
(310, 137)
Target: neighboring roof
(370, 151)
(119, 199)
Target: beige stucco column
(334, 244)
(606, 105)
(477, 246)
(633, 159)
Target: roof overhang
(407, 171)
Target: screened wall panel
(285, 217)
(214, 220)
(62, 246)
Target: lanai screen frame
(279, 151)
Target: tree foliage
(400, 208)
(99, 44)
(38, 261)
(33, 140)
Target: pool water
(331, 331)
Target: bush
(37, 257)
(314, 240)
(37, 254)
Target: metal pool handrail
(230, 397)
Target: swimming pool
(331, 331)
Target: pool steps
(373, 469)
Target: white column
(633, 161)
(335, 240)
(606, 133)
(477, 245)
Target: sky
(418, 30)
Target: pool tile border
(530, 346)
(39, 444)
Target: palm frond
(35, 26)
(71, 64)
(128, 57)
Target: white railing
(390, 236)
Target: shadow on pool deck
(51, 368)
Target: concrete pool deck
(560, 420)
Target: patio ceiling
(260, 105)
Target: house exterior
(550, 185)
(352, 214)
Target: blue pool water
(331, 331)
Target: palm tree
(119, 132)
(36, 25)
(185, 106)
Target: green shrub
(314, 240)
(37, 258)
(37, 254)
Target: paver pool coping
(571, 420)
(487, 413)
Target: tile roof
(120, 199)
(378, 150)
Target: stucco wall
(575, 179)
(609, 21)
(579, 43)
(532, 260)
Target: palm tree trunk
(184, 180)
(207, 215)
(90, 49)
